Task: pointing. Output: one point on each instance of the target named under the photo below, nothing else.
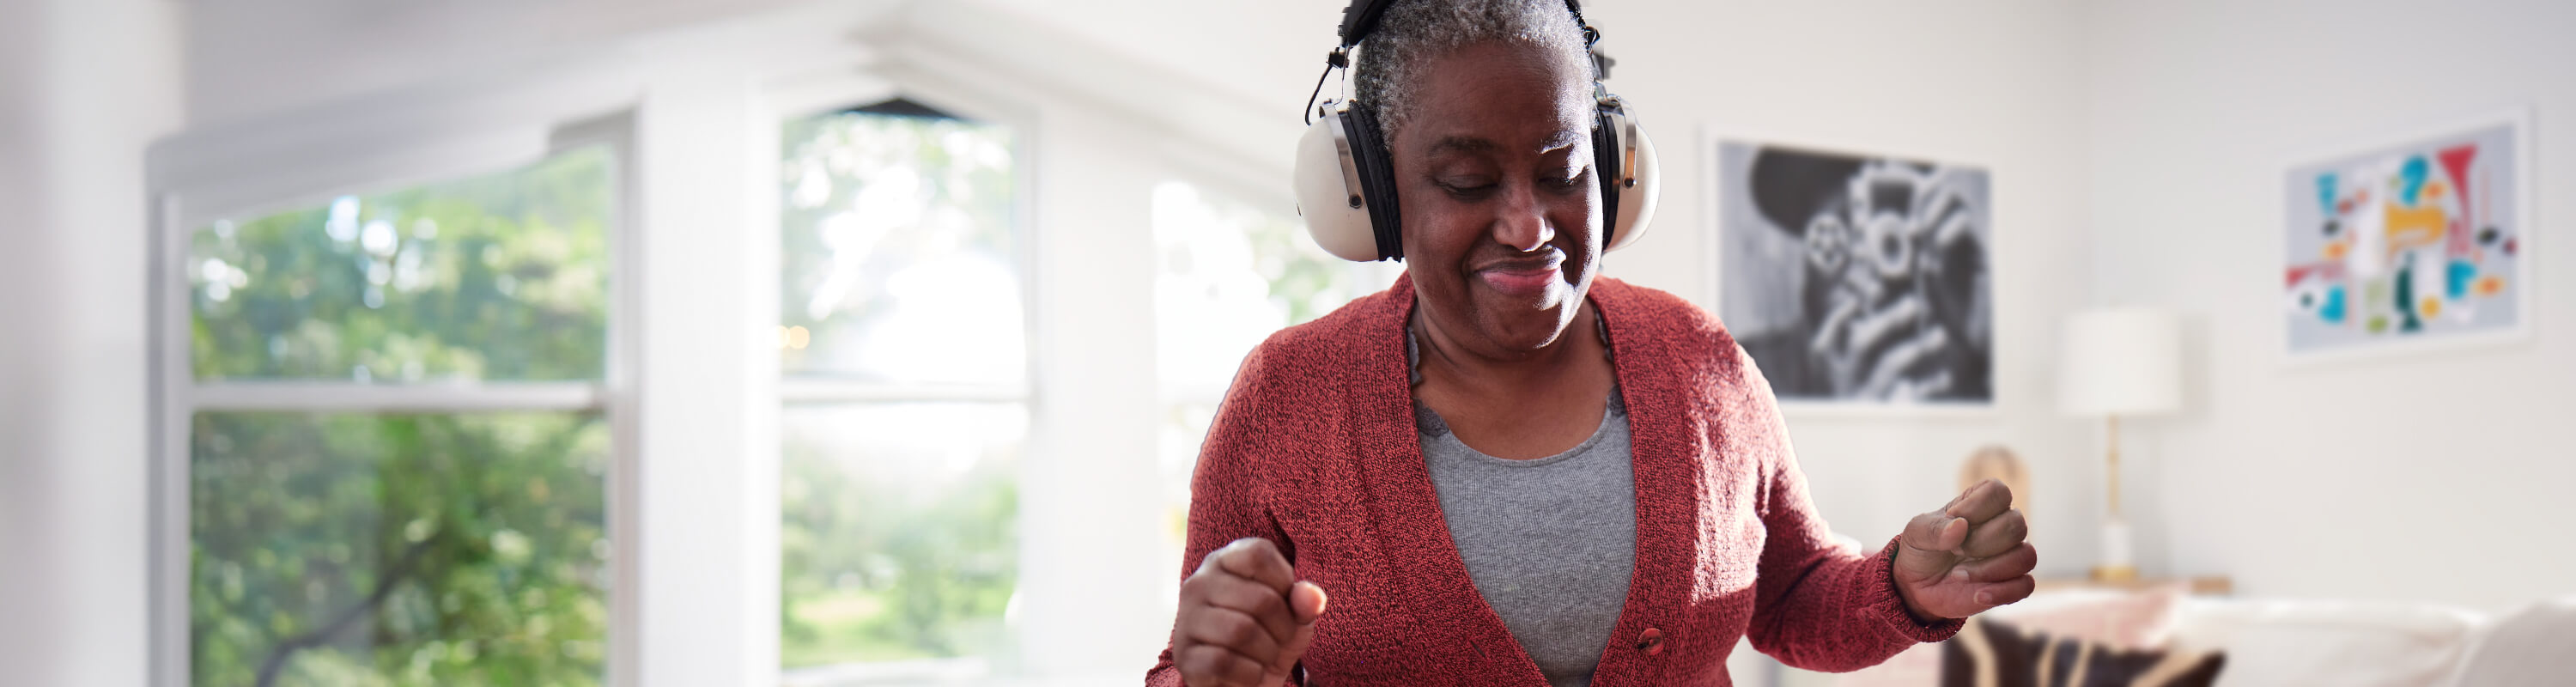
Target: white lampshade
(2121, 361)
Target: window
(905, 380)
(1228, 275)
(396, 437)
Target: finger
(1256, 559)
(1982, 502)
(2011, 564)
(1236, 632)
(1924, 551)
(1254, 601)
(1290, 652)
(1935, 531)
(2004, 592)
(1956, 224)
(1902, 360)
(1206, 664)
(1308, 599)
(1996, 536)
(1884, 329)
(1830, 340)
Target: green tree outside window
(341, 548)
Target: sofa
(2268, 641)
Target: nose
(1522, 221)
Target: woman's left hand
(1967, 557)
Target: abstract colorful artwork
(2418, 242)
(1858, 280)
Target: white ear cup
(1328, 191)
(1641, 171)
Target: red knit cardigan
(1315, 448)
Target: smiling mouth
(1524, 277)
(1528, 263)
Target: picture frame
(2399, 224)
(1741, 293)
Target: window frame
(792, 99)
(249, 170)
(696, 116)
(1177, 395)
(825, 92)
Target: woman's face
(1501, 206)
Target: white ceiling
(250, 56)
(1258, 50)
(245, 57)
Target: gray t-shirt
(1548, 542)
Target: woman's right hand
(1244, 618)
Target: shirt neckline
(1434, 429)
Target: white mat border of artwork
(2516, 118)
(1714, 133)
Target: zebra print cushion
(1997, 654)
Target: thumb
(1307, 601)
(1925, 547)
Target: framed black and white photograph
(1857, 280)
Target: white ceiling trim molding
(487, 115)
(1208, 132)
(982, 58)
(468, 125)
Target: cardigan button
(1651, 641)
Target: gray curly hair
(1412, 32)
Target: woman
(1504, 472)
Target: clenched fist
(1967, 557)
(1244, 618)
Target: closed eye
(1570, 179)
(1468, 191)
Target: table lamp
(2119, 362)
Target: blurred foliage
(1309, 281)
(502, 276)
(405, 549)
(863, 196)
(485, 534)
(879, 562)
(881, 565)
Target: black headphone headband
(1360, 19)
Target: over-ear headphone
(1346, 181)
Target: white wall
(1993, 83)
(2439, 477)
(1092, 564)
(84, 85)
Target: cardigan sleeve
(1818, 604)
(1227, 501)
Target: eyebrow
(1471, 144)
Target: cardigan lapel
(1415, 536)
(1666, 467)
(1421, 555)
